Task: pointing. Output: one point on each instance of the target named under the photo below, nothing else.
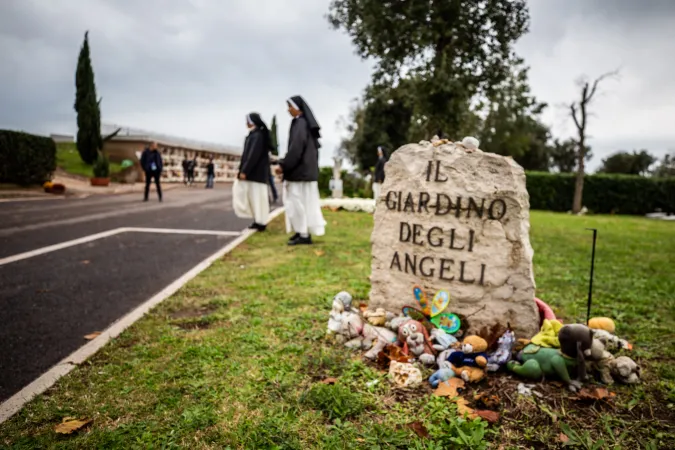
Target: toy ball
(602, 323)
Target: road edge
(15, 403)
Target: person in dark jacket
(191, 166)
(250, 191)
(210, 173)
(379, 172)
(151, 161)
(300, 169)
(185, 170)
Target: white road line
(93, 237)
(14, 404)
(180, 231)
(29, 199)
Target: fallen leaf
(70, 424)
(391, 353)
(329, 380)
(463, 408)
(363, 307)
(487, 401)
(593, 393)
(419, 429)
(93, 335)
(319, 252)
(86, 261)
(562, 437)
(449, 388)
(485, 414)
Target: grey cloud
(195, 68)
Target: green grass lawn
(68, 159)
(235, 358)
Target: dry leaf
(485, 414)
(390, 353)
(70, 425)
(593, 393)
(319, 252)
(329, 380)
(86, 261)
(463, 408)
(449, 388)
(363, 307)
(419, 429)
(487, 401)
(93, 335)
(562, 437)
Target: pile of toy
(431, 337)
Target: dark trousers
(209, 181)
(148, 179)
(275, 196)
(191, 176)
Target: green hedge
(25, 158)
(603, 193)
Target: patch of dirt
(194, 325)
(192, 312)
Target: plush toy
(602, 323)
(347, 327)
(575, 339)
(625, 370)
(611, 342)
(539, 361)
(598, 361)
(415, 340)
(441, 375)
(442, 339)
(377, 317)
(502, 355)
(395, 323)
(469, 363)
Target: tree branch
(606, 75)
(573, 107)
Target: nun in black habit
(300, 168)
(250, 189)
(378, 179)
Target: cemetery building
(129, 143)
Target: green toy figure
(542, 361)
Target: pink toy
(545, 311)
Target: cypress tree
(273, 132)
(89, 140)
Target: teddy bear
(470, 362)
(625, 370)
(599, 360)
(415, 340)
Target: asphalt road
(49, 302)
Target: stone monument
(335, 183)
(453, 217)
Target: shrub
(101, 166)
(603, 193)
(26, 158)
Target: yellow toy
(602, 323)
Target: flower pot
(100, 181)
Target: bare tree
(579, 111)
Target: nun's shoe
(293, 238)
(301, 241)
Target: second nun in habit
(250, 194)
(300, 168)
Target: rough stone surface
(499, 253)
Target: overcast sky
(195, 68)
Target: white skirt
(303, 208)
(376, 190)
(250, 201)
